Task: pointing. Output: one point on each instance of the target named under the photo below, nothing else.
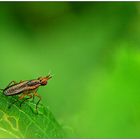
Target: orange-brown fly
(26, 88)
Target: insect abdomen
(15, 89)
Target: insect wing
(16, 89)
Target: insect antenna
(50, 74)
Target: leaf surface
(24, 122)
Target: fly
(26, 89)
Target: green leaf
(24, 122)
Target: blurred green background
(93, 50)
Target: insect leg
(35, 94)
(33, 98)
(12, 103)
(30, 96)
(12, 82)
(21, 97)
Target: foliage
(24, 122)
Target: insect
(26, 88)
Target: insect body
(26, 88)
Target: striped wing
(16, 89)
